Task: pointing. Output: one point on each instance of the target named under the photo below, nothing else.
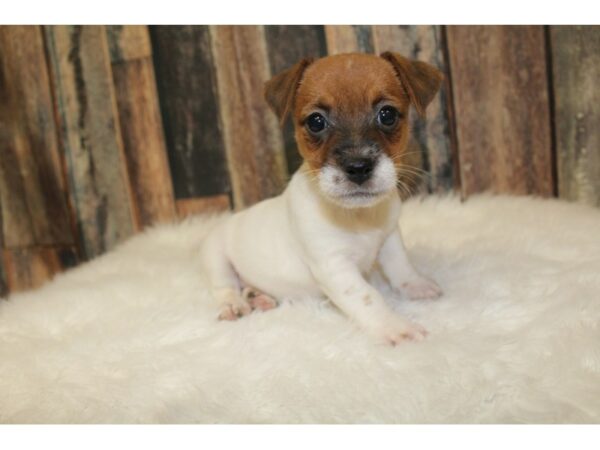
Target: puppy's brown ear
(421, 80)
(280, 90)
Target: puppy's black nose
(359, 170)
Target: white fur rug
(132, 336)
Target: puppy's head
(350, 114)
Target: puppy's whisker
(415, 175)
(402, 155)
(404, 188)
(414, 171)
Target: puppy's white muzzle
(336, 185)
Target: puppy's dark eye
(316, 123)
(388, 116)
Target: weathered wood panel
(33, 202)
(141, 125)
(253, 140)
(349, 38)
(3, 284)
(576, 78)
(423, 43)
(87, 112)
(28, 268)
(128, 42)
(288, 44)
(188, 101)
(500, 91)
(190, 206)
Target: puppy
(337, 220)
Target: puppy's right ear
(280, 90)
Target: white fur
(303, 243)
(132, 337)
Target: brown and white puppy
(337, 220)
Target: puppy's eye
(316, 123)
(388, 116)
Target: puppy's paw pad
(233, 310)
(259, 300)
(397, 329)
(263, 302)
(406, 332)
(421, 288)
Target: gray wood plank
(576, 74)
(91, 135)
(185, 76)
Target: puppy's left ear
(280, 90)
(421, 80)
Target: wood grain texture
(191, 206)
(91, 135)
(3, 284)
(431, 135)
(500, 92)
(286, 45)
(29, 268)
(576, 76)
(253, 140)
(33, 202)
(128, 42)
(187, 90)
(349, 38)
(141, 128)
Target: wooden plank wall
(105, 130)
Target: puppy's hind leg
(223, 282)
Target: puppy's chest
(360, 248)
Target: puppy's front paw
(397, 329)
(233, 306)
(421, 288)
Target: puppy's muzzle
(358, 170)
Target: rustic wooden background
(105, 130)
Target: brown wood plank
(128, 42)
(576, 74)
(141, 125)
(185, 77)
(33, 202)
(89, 124)
(288, 44)
(191, 206)
(253, 139)
(500, 92)
(349, 38)
(3, 283)
(431, 135)
(29, 268)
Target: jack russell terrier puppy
(337, 220)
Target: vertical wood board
(91, 134)
(576, 79)
(184, 68)
(500, 89)
(253, 140)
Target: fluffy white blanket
(132, 336)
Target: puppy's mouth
(362, 194)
